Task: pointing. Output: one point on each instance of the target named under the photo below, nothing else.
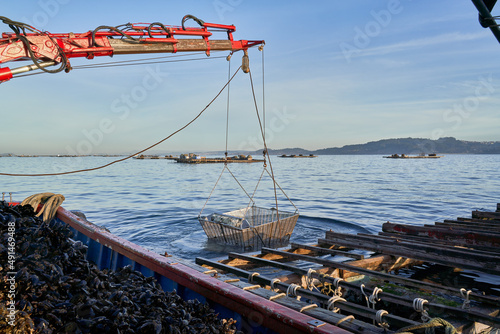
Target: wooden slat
(444, 244)
(322, 250)
(467, 227)
(386, 297)
(478, 220)
(434, 254)
(388, 277)
(467, 237)
(327, 317)
(475, 224)
(485, 215)
(345, 306)
(449, 243)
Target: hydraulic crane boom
(45, 49)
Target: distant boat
(420, 156)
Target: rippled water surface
(155, 203)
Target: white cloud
(417, 43)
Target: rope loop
(465, 294)
(374, 297)
(338, 288)
(273, 282)
(250, 277)
(362, 287)
(370, 299)
(292, 290)
(309, 279)
(349, 317)
(378, 318)
(418, 305)
(331, 304)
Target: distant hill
(403, 146)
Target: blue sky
(336, 73)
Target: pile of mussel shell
(58, 291)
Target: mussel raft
(58, 290)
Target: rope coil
(418, 306)
(378, 318)
(51, 202)
(429, 327)
(465, 294)
(273, 282)
(331, 304)
(292, 290)
(373, 298)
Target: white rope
(364, 294)
(250, 277)
(378, 317)
(465, 294)
(51, 202)
(273, 282)
(418, 305)
(331, 304)
(292, 290)
(374, 297)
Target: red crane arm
(45, 49)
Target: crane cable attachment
(250, 217)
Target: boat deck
(448, 270)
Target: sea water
(155, 203)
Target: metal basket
(251, 228)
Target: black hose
(129, 38)
(17, 27)
(160, 25)
(192, 17)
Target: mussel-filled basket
(251, 228)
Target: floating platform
(297, 156)
(404, 156)
(216, 160)
(382, 283)
(155, 157)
